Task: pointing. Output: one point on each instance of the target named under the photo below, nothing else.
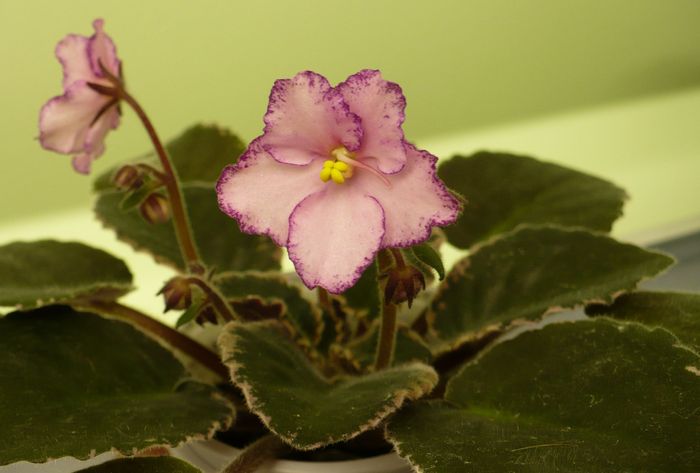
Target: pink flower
(76, 122)
(333, 180)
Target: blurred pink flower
(76, 122)
(333, 180)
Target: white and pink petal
(306, 119)
(381, 106)
(71, 52)
(260, 192)
(101, 50)
(65, 121)
(416, 201)
(94, 145)
(334, 235)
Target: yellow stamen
(341, 166)
(325, 173)
(335, 169)
(337, 176)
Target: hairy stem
(387, 337)
(214, 297)
(264, 449)
(180, 219)
(170, 336)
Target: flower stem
(264, 449)
(214, 297)
(387, 337)
(172, 337)
(180, 219)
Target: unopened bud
(155, 209)
(128, 177)
(403, 285)
(177, 294)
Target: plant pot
(211, 456)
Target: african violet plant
(382, 355)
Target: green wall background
(463, 65)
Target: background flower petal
(71, 52)
(381, 105)
(64, 121)
(306, 118)
(95, 141)
(416, 201)
(334, 235)
(260, 192)
(100, 47)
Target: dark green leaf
(221, 243)
(430, 256)
(504, 191)
(677, 312)
(590, 397)
(143, 465)
(364, 296)
(198, 155)
(47, 271)
(75, 384)
(297, 403)
(303, 316)
(532, 271)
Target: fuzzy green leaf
(143, 465)
(221, 243)
(590, 397)
(303, 316)
(528, 272)
(504, 191)
(43, 272)
(198, 155)
(677, 312)
(301, 406)
(76, 384)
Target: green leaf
(143, 465)
(430, 256)
(588, 396)
(677, 312)
(504, 191)
(364, 296)
(198, 155)
(409, 347)
(303, 316)
(221, 243)
(76, 384)
(530, 272)
(47, 271)
(297, 403)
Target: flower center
(341, 167)
(337, 169)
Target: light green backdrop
(463, 65)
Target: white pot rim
(212, 455)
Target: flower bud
(177, 294)
(403, 285)
(155, 208)
(128, 177)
